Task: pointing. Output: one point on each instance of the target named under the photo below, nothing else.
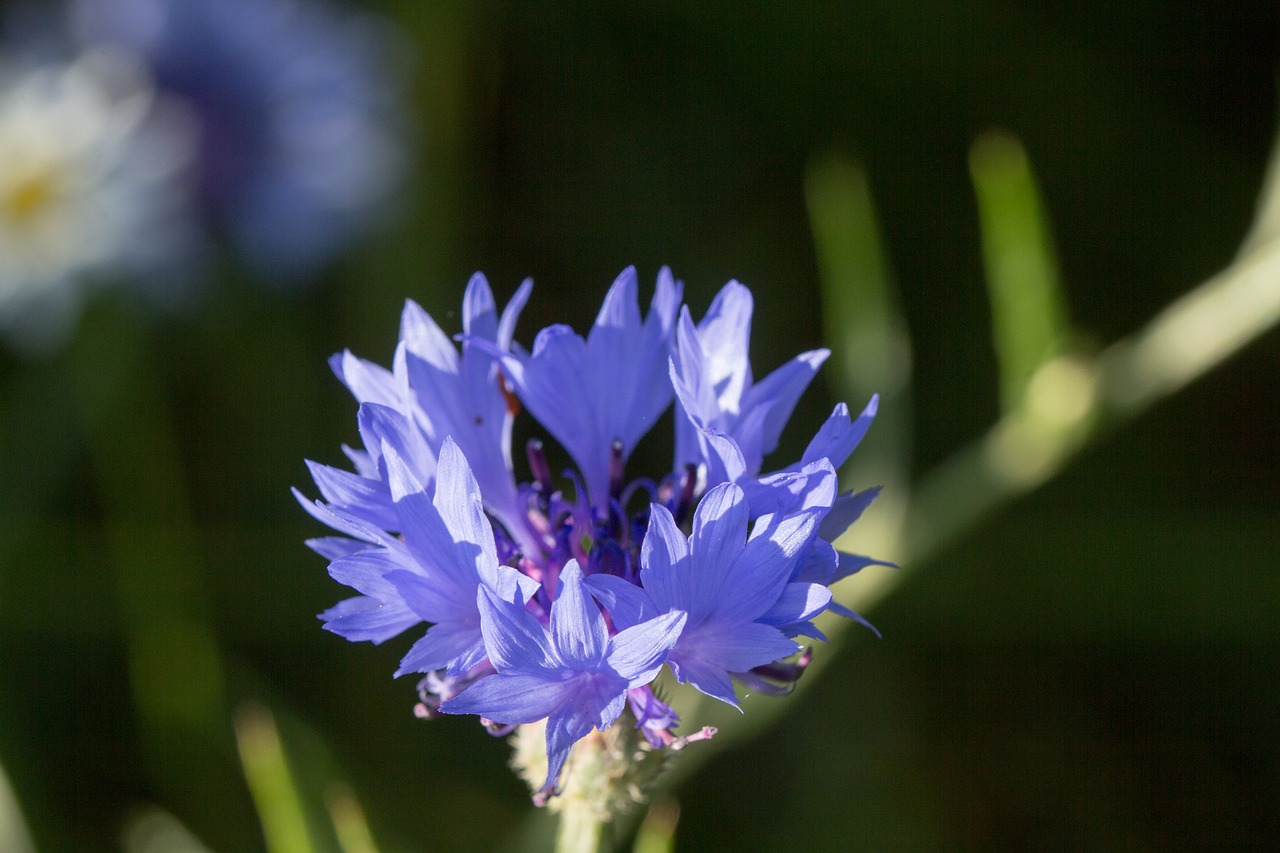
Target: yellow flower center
(29, 196)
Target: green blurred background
(1092, 668)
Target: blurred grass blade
(14, 837)
(349, 822)
(1184, 341)
(657, 833)
(1028, 313)
(275, 795)
(861, 320)
(1266, 221)
(157, 831)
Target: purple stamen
(541, 471)
(688, 483)
(616, 465)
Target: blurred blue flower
(297, 110)
(562, 605)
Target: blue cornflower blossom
(570, 672)
(563, 604)
(296, 106)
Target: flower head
(559, 606)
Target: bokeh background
(1093, 667)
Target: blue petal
(514, 638)
(434, 599)
(565, 727)
(694, 400)
(578, 629)
(725, 333)
(384, 425)
(423, 338)
(368, 382)
(707, 653)
(609, 387)
(509, 584)
(510, 699)
(840, 610)
(510, 314)
(838, 438)
(638, 653)
(367, 570)
(627, 603)
(553, 385)
(786, 491)
(367, 499)
(719, 535)
(799, 602)
(333, 547)
(663, 557)
(457, 499)
(845, 510)
(710, 679)
(758, 577)
(452, 646)
(851, 563)
(819, 563)
(780, 391)
(342, 521)
(725, 461)
(367, 618)
(424, 531)
(479, 311)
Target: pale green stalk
(657, 833)
(14, 837)
(349, 822)
(580, 830)
(271, 784)
(1028, 314)
(1069, 402)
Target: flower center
(29, 196)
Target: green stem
(14, 836)
(1070, 403)
(580, 829)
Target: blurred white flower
(92, 189)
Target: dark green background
(1092, 670)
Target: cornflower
(297, 109)
(554, 605)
